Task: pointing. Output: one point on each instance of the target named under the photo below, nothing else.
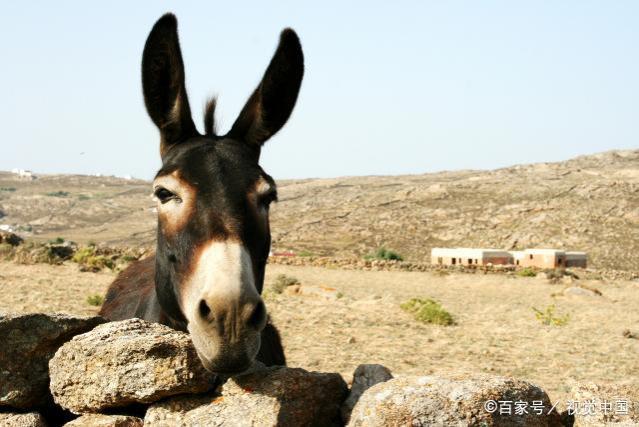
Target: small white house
(469, 256)
(541, 258)
(23, 173)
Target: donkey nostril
(258, 316)
(204, 309)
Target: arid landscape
(336, 319)
(589, 203)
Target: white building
(469, 256)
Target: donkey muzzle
(225, 312)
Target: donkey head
(213, 200)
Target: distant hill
(590, 203)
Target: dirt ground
(496, 329)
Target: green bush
(96, 300)
(527, 272)
(58, 194)
(89, 260)
(427, 310)
(282, 281)
(56, 241)
(548, 317)
(83, 197)
(385, 254)
(8, 189)
(305, 253)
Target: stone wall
(61, 370)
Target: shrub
(8, 189)
(95, 300)
(548, 317)
(555, 275)
(58, 194)
(56, 241)
(33, 253)
(6, 250)
(305, 253)
(89, 260)
(385, 254)
(427, 310)
(83, 197)
(282, 281)
(527, 272)
(129, 258)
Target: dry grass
(496, 330)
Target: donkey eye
(165, 195)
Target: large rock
(580, 292)
(604, 404)
(275, 396)
(101, 420)
(29, 419)
(121, 363)
(28, 342)
(453, 400)
(364, 377)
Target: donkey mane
(209, 117)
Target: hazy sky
(390, 87)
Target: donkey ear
(270, 106)
(163, 84)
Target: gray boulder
(101, 420)
(364, 377)
(126, 362)
(275, 396)
(579, 292)
(453, 400)
(29, 419)
(28, 342)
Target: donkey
(213, 234)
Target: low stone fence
(394, 265)
(84, 371)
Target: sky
(389, 88)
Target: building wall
(541, 258)
(470, 259)
(500, 260)
(576, 259)
(582, 263)
(446, 260)
(557, 260)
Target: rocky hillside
(589, 203)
